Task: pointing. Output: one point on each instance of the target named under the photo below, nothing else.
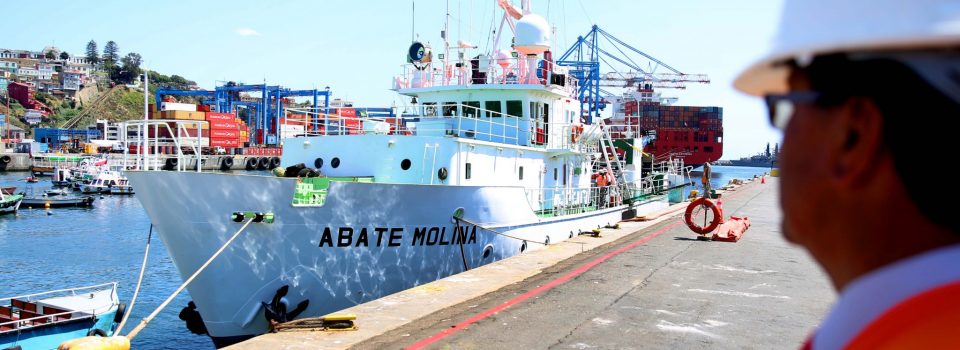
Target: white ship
(492, 161)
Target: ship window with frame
(554, 174)
(467, 172)
(515, 108)
(449, 109)
(471, 109)
(493, 109)
(521, 172)
(430, 109)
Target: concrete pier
(645, 285)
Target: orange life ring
(575, 132)
(717, 216)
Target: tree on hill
(64, 56)
(92, 55)
(111, 53)
(50, 55)
(130, 69)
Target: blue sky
(355, 47)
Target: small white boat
(103, 182)
(44, 320)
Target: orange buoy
(703, 202)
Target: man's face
(805, 195)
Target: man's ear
(858, 143)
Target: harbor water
(43, 250)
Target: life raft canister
(704, 202)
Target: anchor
(276, 312)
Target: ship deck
(646, 285)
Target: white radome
(503, 58)
(533, 35)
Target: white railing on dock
(176, 142)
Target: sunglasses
(780, 108)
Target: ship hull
(366, 241)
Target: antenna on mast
(413, 20)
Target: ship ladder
(607, 151)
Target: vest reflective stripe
(930, 320)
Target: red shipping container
(347, 112)
(224, 125)
(225, 134)
(213, 116)
(225, 143)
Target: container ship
(692, 133)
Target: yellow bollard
(96, 343)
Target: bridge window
(471, 109)
(449, 109)
(515, 108)
(493, 109)
(430, 109)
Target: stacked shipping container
(220, 130)
(694, 133)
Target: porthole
(405, 164)
(487, 251)
(335, 162)
(442, 174)
(318, 163)
(523, 246)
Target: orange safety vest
(929, 320)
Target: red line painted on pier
(539, 290)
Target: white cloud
(247, 32)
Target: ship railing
(489, 71)
(464, 120)
(559, 201)
(625, 131)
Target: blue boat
(44, 320)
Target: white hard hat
(815, 27)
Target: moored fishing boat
(9, 203)
(44, 320)
(57, 202)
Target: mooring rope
(145, 321)
(496, 232)
(136, 291)
(463, 255)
